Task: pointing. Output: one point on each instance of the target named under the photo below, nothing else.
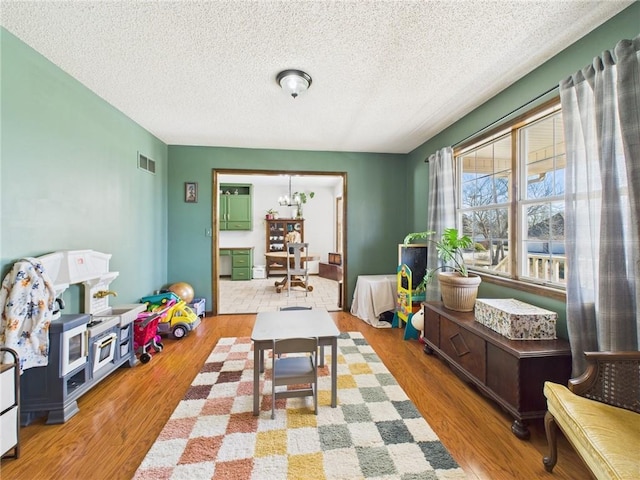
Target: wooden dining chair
(298, 366)
(296, 268)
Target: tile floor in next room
(259, 295)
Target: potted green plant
(303, 196)
(459, 288)
(272, 214)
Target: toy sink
(127, 313)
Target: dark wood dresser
(511, 372)
(330, 271)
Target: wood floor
(120, 418)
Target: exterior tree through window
(511, 200)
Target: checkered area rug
(374, 433)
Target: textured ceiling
(387, 75)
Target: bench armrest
(612, 378)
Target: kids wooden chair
(295, 369)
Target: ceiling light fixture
(289, 200)
(294, 82)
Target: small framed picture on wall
(191, 192)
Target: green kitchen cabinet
(236, 207)
(241, 263)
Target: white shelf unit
(9, 404)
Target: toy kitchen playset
(83, 348)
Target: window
(511, 200)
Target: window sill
(532, 288)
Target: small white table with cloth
(374, 295)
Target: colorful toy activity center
(407, 302)
(412, 267)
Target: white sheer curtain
(441, 211)
(601, 113)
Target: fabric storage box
(198, 306)
(260, 271)
(125, 332)
(516, 320)
(125, 348)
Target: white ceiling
(387, 75)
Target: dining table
(270, 326)
(281, 259)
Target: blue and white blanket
(26, 303)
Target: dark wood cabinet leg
(520, 430)
(428, 350)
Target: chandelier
(289, 200)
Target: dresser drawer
(240, 261)
(7, 387)
(241, 274)
(239, 226)
(9, 429)
(463, 347)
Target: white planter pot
(459, 293)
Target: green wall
(580, 54)
(69, 176)
(376, 219)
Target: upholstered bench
(600, 415)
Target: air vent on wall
(145, 163)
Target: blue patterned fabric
(26, 299)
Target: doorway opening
(323, 217)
